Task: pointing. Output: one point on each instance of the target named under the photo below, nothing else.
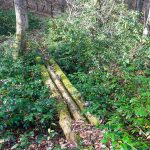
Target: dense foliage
(26, 110)
(104, 55)
(8, 22)
(108, 62)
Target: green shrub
(7, 19)
(8, 22)
(109, 64)
(25, 106)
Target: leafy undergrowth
(28, 118)
(8, 22)
(26, 110)
(107, 61)
(109, 64)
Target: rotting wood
(65, 119)
(70, 89)
(71, 104)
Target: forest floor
(90, 135)
(118, 91)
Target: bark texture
(72, 93)
(21, 26)
(139, 5)
(146, 31)
(71, 104)
(65, 119)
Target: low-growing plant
(8, 22)
(25, 105)
(109, 64)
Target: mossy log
(71, 104)
(73, 92)
(65, 119)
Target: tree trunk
(21, 26)
(130, 4)
(146, 11)
(139, 5)
(62, 4)
(146, 31)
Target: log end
(92, 119)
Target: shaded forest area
(52, 7)
(44, 7)
(75, 74)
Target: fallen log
(70, 89)
(71, 104)
(53, 81)
(65, 119)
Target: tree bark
(72, 91)
(21, 26)
(130, 4)
(71, 104)
(65, 120)
(146, 31)
(62, 4)
(139, 5)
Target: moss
(65, 120)
(74, 93)
(44, 73)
